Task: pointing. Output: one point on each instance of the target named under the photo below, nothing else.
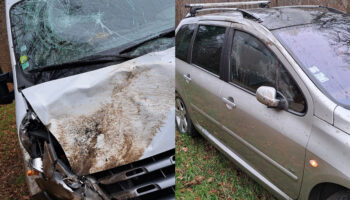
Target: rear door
(272, 141)
(203, 74)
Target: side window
(287, 86)
(253, 65)
(183, 40)
(207, 47)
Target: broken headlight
(32, 135)
(47, 157)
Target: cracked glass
(53, 32)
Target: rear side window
(207, 47)
(183, 40)
(253, 65)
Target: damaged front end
(51, 167)
(149, 178)
(104, 134)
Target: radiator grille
(151, 178)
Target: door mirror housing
(271, 98)
(6, 96)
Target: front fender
(330, 147)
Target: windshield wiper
(90, 60)
(140, 42)
(103, 58)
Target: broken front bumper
(151, 178)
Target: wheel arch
(323, 190)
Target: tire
(182, 119)
(341, 195)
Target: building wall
(343, 5)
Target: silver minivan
(94, 93)
(270, 88)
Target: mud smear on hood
(122, 127)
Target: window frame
(227, 76)
(222, 56)
(188, 53)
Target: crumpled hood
(111, 116)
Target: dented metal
(111, 116)
(83, 98)
(61, 183)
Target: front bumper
(150, 178)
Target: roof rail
(194, 8)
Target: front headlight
(32, 135)
(23, 133)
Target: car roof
(285, 16)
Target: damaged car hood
(111, 116)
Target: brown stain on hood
(122, 127)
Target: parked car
(269, 87)
(94, 93)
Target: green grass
(21, 179)
(12, 178)
(202, 172)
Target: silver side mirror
(268, 96)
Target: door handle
(229, 102)
(187, 77)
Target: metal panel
(111, 116)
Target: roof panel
(280, 17)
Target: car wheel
(342, 195)
(182, 119)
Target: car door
(202, 75)
(184, 37)
(272, 141)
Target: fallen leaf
(199, 178)
(184, 149)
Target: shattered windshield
(53, 32)
(323, 50)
